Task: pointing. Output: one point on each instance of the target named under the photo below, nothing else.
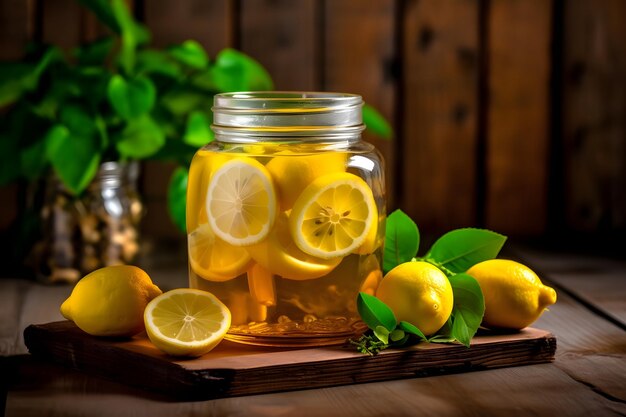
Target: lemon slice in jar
(213, 259)
(279, 255)
(333, 215)
(186, 322)
(241, 202)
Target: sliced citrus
(186, 322)
(280, 255)
(213, 259)
(293, 172)
(203, 165)
(333, 215)
(241, 202)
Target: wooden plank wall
(509, 114)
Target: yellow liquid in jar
(316, 304)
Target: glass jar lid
(275, 115)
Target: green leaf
(132, 34)
(469, 307)
(151, 61)
(131, 98)
(52, 54)
(198, 132)
(235, 71)
(374, 312)
(376, 123)
(11, 75)
(103, 11)
(74, 159)
(94, 53)
(140, 139)
(181, 102)
(397, 335)
(77, 120)
(402, 240)
(409, 328)
(460, 249)
(190, 53)
(381, 334)
(177, 197)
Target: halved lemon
(241, 202)
(213, 259)
(281, 256)
(186, 322)
(333, 215)
(292, 172)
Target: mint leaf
(236, 71)
(402, 240)
(198, 132)
(177, 197)
(376, 123)
(409, 328)
(397, 335)
(131, 98)
(140, 139)
(375, 313)
(469, 307)
(190, 53)
(460, 249)
(382, 334)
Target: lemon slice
(213, 259)
(241, 202)
(281, 256)
(292, 172)
(186, 322)
(333, 215)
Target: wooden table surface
(588, 377)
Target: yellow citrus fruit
(200, 171)
(293, 172)
(280, 255)
(419, 293)
(110, 301)
(186, 322)
(213, 259)
(374, 239)
(241, 202)
(514, 294)
(333, 215)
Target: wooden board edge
(172, 379)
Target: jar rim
(279, 114)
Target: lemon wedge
(213, 259)
(280, 255)
(333, 216)
(241, 202)
(186, 322)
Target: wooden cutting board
(232, 369)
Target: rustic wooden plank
(440, 99)
(519, 36)
(359, 56)
(593, 107)
(208, 22)
(282, 35)
(233, 369)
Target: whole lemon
(110, 301)
(514, 294)
(419, 293)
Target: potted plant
(76, 120)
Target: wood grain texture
(440, 98)
(594, 115)
(360, 56)
(233, 369)
(208, 22)
(282, 36)
(519, 36)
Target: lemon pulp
(186, 322)
(241, 202)
(212, 258)
(333, 215)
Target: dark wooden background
(509, 114)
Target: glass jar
(285, 216)
(98, 228)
